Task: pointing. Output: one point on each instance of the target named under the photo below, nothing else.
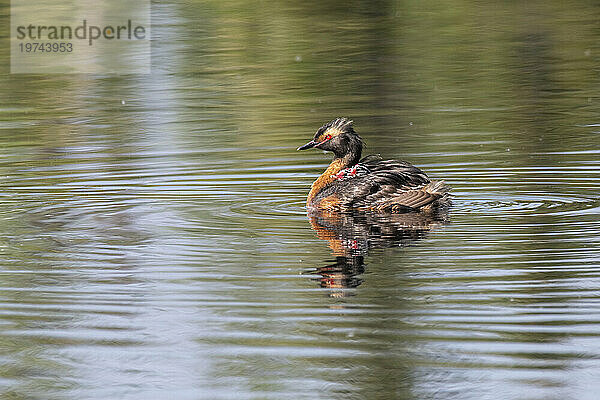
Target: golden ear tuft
(338, 126)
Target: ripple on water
(529, 205)
(271, 208)
(186, 244)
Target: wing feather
(384, 185)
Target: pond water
(155, 242)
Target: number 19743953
(35, 47)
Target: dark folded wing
(414, 199)
(382, 185)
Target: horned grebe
(352, 183)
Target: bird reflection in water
(351, 236)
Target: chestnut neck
(326, 178)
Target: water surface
(154, 238)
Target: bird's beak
(308, 145)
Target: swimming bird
(370, 183)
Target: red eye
(327, 137)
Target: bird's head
(337, 136)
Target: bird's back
(381, 185)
